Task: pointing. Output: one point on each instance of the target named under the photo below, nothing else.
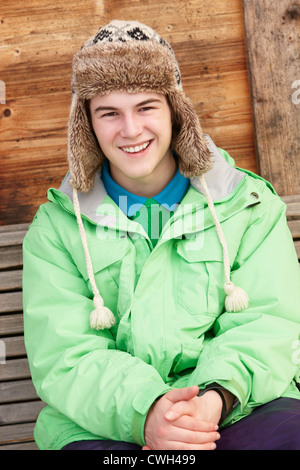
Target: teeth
(138, 148)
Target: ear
(84, 153)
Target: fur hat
(129, 56)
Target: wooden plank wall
(272, 32)
(38, 40)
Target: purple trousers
(274, 426)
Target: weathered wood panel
(14, 433)
(11, 302)
(11, 257)
(14, 413)
(15, 369)
(272, 30)
(16, 391)
(293, 205)
(20, 446)
(12, 235)
(38, 40)
(10, 280)
(11, 324)
(14, 346)
(293, 218)
(19, 403)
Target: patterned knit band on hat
(131, 57)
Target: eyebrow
(112, 108)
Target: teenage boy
(161, 284)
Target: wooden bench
(19, 404)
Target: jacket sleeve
(76, 370)
(252, 353)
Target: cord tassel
(101, 317)
(237, 299)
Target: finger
(146, 448)
(187, 435)
(178, 445)
(179, 394)
(199, 437)
(178, 409)
(195, 424)
(196, 438)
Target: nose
(131, 126)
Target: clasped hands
(180, 420)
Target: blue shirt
(130, 203)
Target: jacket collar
(221, 179)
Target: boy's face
(134, 132)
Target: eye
(110, 114)
(146, 108)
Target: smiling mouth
(136, 148)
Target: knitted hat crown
(131, 57)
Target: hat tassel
(101, 317)
(236, 298)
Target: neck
(151, 184)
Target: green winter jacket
(171, 329)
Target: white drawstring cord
(237, 299)
(101, 317)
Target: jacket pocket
(200, 276)
(107, 259)
(104, 253)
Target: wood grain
(17, 391)
(272, 42)
(38, 41)
(15, 413)
(16, 433)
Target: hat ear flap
(188, 139)
(84, 153)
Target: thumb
(179, 394)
